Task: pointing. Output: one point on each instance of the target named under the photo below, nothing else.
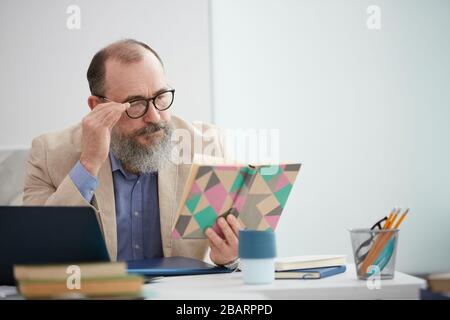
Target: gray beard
(139, 158)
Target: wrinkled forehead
(141, 78)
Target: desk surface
(230, 286)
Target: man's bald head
(124, 51)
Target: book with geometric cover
(256, 195)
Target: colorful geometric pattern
(256, 195)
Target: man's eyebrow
(137, 97)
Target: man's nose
(152, 115)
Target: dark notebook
(173, 266)
(314, 273)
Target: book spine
(247, 183)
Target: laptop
(58, 235)
(173, 266)
(40, 235)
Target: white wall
(43, 64)
(367, 113)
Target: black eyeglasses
(139, 107)
(363, 250)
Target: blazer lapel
(104, 196)
(167, 196)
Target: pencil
(393, 218)
(401, 218)
(380, 244)
(389, 217)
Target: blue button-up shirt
(137, 209)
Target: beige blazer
(47, 182)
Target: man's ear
(93, 101)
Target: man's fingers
(103, 115)
(212, 245)
(110, 107)
(101, 106)
(107, 119)
(118, 107)
(125, 106)
(228, 232)
(114, 114)
(113, 123)
(235, 224)
(217, 241)
(111, 119)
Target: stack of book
(439, 282)
(309, 267)
(88, 280)
(439, 285)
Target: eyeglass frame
(360, 258)
(152, 99)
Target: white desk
(230, 286)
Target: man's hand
(224, 251)
(97, 126)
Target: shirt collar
(116, 165)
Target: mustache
(149, 129)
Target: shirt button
(137, 247)
(91, 192)
(136, 213)
(138, 182)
